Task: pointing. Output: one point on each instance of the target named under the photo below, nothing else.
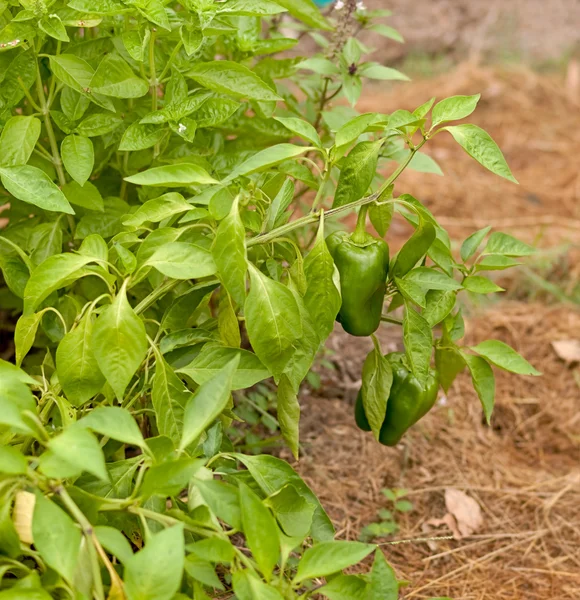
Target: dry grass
(524, 470)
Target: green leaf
(438, 304)
(472, 243)
(119, 343)
(307, 12)
(418, 339)
(223, 500)
(192, 37)
(352, 129)
(381, 215)
(114, 542)
(77, 368)
(330, 557)
(230, 255)
(250, 8)
(181, 260)
(411, 292)
(266, 159)
(386, 31)
(248, 587)
(80, 448)
(288, 414)
(260, 530)
(357, 173)
(177, 175)
(210, 399)
(12, 462)
(377, 379)
(53, 26)
(483, 381)
(136, 42)
(423, 163)
(345, 587)
(18, 139)
(214, 549)
(373, 70)
(202, 571)
(504, 357)
(229, 77)
(273, 321)
(272, 474)
(115, 423)
(78, 157)
(114, 77)
(56, 537)
(49, 276)
(34, 186)
(72, 71)
(98, 124)
(141, 136)
(214, 357)
(454, 108)
(481, 285)
(431, 279)
(155, 572)
(154, 11)
(301, 128)
(414, 249)
(293, 511)
(502, 243)
(158, 209)
(25, 334)
(383, 584)
(496, 262)
(170, 477)
(449, 363)
(88, 196)
(479, 145)
(73, 104)
(169, 397)
(322, 298)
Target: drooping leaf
(207, 403)
(119, 343)
(504, 357)
(155, 572)
(272, 320)
(479, 145)
(56, 537)
(418, 339)
(260, 530)
(483, 381)
(77, 368)
(377, 378)
(230, 255)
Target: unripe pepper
(363, 264)
(409, 401)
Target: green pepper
(363, 264)
(408, 402)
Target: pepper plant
(169, 178)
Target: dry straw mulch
(524, 470)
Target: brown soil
(524, 470)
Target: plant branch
(339, 210)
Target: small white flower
(181, 128)
(360, 5)
(339, 5)
(442, 401)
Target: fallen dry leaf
(466, 511)
(567, 350)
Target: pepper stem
(359, 236)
